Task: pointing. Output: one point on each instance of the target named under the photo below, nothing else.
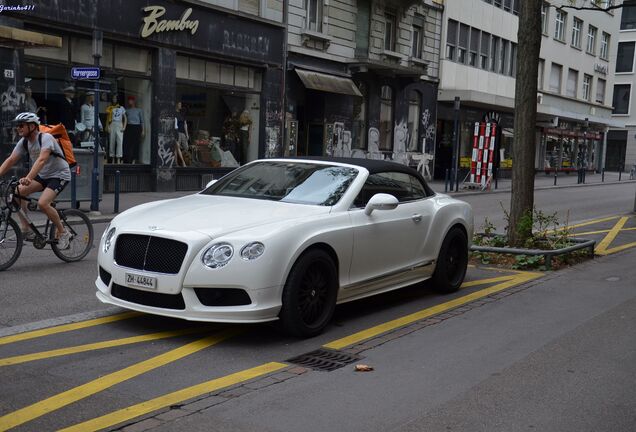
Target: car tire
(309, 296)
(451, 263)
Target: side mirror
(381, 201)
(210, 183)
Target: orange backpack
(59, 133)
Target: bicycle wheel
(10, 242)
(81, 229)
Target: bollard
(555, 177)
(74, 187)
(446, 181)
(117, 181)
(583, 173)
(496, 177)
(457, 181)
(620, 173)
(603, 175)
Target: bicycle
(11, 237)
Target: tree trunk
(524, 142)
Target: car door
(389, 241)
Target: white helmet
(27, 117)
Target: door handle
(417, 218)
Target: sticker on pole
(85, 73)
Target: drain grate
(324, 360)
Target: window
(577, 26)
(513, 60)
(545, 8)
(416, 50)
(389, 31)
(559, 29)
(503, 56)
(360, 118)
(463, 43)
(625, 57)
(621, 98)
(507, 5)
(572, 84)
(600, 91)
(474, 47)
(494, 53)
(628, 15)
(555, 78)
(591, 39)
(415, 102)
(386, 118)
(605, 40)
(485, 50)
(587, 85)
(313, 8)
(541, 73)
(401, 185)
(451, 40)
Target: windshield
(293, 182)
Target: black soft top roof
(372, 165)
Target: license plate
(141, 281)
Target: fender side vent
(324, 360)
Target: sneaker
(64, 241)
(28, 235)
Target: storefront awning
(18, 38)
(328, 83)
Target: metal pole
(620, 172)
(555, 176)
(284, 146)
(496, 178)
(97, 53)
(603, 175)
(117, 186)
(446, 176)
(456, 106)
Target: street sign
(81, 73)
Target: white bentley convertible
(285, 239)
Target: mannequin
(134, 131)
(115, 126)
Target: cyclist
(49, 172)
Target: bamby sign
(152, 23)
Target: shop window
(223, 126)
(227, 74)
(212, 72)
(386, 118)
(197, 69)
(415, 103)
(621, 98)
(183, 67)
(132, 59)
(625, 57)
(50, 53)
(241, 77)
(360, 118)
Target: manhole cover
(324, 360)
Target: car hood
(211, 215)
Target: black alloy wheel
(451, 263)
(309, 296)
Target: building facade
(574, 107)
(221, 60)
(362, 78)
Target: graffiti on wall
(429, 132)
(374, 144)
(340, 145)
(166, 144)
(9, 105)
(400, 138)
(272, 138)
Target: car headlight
(218, 255)
(253, 250)
(108, 239)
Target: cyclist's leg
(35, 186)
(53, 187)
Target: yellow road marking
(67, 327)
(600, 232)
(68, 397)
(519, 278)
(487, 281)
(176, 397)
(590, 222)
(609, 238)
(7, 361)
(616, 249)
